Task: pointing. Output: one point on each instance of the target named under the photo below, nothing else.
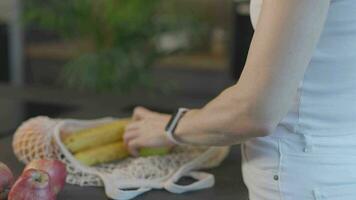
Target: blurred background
(110, 55)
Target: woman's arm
(284, 41)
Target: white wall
(5, 9)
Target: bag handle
(114, 192)
(119, 194)
(204, 180)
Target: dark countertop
(19, 104)
(228, 184)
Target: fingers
(131, 131)
(130, 140)
(140, 113)
(146, 130)
(131, 126)
(130, 135)
(134, 147)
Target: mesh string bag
(40, 137)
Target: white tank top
(311, 153)
(325, 104)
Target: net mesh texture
(34, 140)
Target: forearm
(228, 119)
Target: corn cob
(103, 154)
(97, 136)
(113, 152)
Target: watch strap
(173, 123)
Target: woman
(293, 110)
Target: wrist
(185, 126)
(171, 126)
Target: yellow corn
(104, 144)
(113, 152)
(103, 154)
(97, 136)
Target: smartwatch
(172, 125)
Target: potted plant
(122, 33)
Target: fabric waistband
(312, 143)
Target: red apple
(32, 185)
(55, 169)
(6, 181)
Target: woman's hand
(146, 130)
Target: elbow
(254, 124)
(264, 129)
(253, 129)
(259, 121)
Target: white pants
(288, 166)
